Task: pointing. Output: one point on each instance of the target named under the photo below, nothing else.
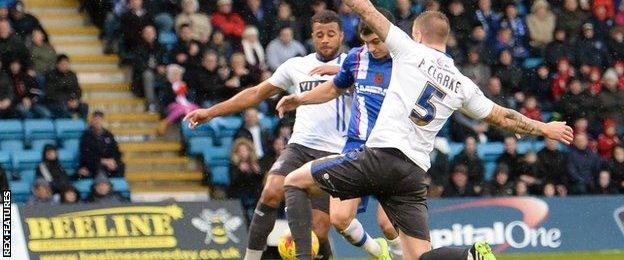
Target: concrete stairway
(154, 164)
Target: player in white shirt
(319, 130)
(425, 89)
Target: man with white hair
(199, 22)
(612, 100)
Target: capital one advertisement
(516, 224)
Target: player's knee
(321, 231)
(272, 194)
(294, 179)
(341, 219)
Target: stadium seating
(490, 151)
(68, 128)
(12, 145)
(226, 125)
(39, 129)
(67, 159)
(11, 129)
(72, 145)
(38, 145)
(220, 175)
(25, 160)
(5, 160)
(27, 176)
(196, 145)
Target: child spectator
(604, 184)
(607, 140)
(41, 194)
(530, 109)
(70, 195)
(181, 106)
(245, 174)
(51, 170)
(102, 191)
(500, 185)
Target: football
(286, 246)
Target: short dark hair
(98, 113)
(325, 17)
(364, 29)
(61, 57)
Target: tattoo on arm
(521, 124)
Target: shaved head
(431, 27)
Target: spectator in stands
(181, 106)
(245, 174)
(500, 185)
(601, 20)
(222, 47)
(350, 22)
(460, 20)
(51, 170)
(515, 23)
(475, 69)
(4, 9)
(148, 70)
(42, 194)
(240, 76)
(455, 51)
(460, 185)
(102, 191)
(439, 170)
(505, 42)
(528, 172)
(577, 102)
(488, 18)
(208, 80)
(612, 100)
(7, 94)
(511, 157)
(132, 23)
(604, 184)
(619, 15)
(27, 95)
(463, 127)
(530, 109)
(260, 17)
(552, 166)
(43, 54)
(616, 167)
(615, 44)
(430, 5)
(23, 23)
(608, 139)
(231, 23)
(199, 22)
(187, 52)
(549, 190)
(541, 23)
(99, 151)
(559, 48)
(478, 41)
(283, 48)
(471, 161)
(594, 79)
(509, 74)
(11, 45)
(538, 85)
(561, 79)
(571, 19)
(69, 195)
(253, 50)
(521, 189)
(285, 18)
(63, 92)
(591, 50)
(583, 166)
(405, 16)
(252, 130)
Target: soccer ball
(286, 246)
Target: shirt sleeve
(344, 78)
(281, 78)
(398, 41)
(476, 104)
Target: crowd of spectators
(35, 81)
(550, 60)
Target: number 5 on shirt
(424, 103)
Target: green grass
(607, 255)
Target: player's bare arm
(517, 123)
(320, 94)
(325, 70)
(369, 14)
(245, 99)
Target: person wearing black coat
(23, 23)
(560, 47)
(538, 85)
(132, 22)
(511, 157)
(500, 185)
(207, 80)
(577, 103)
(63, 92)
(148, 68)
(591, 50)
(469, 158)
(99, 151)
(254, 14)
(552, 165)
(102, 191)
(11, 46)
(7, 95)
(51, 170)
(459, 185)
(27, 98)
(187, 52)
(616, 167)
(615, 44)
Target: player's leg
(390, 232)
(298, 185)
(343, 218)
(320, 226)
(264, 216)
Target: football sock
(251, 254)
(357, 236)
(325, 250)
(261, 225)
(299, 212)
(395, 246)
(447, 253)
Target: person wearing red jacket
(232, 24)
(608, 140)
(530, 109)
(609, 5)
(561, 78)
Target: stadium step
(103, 77)
(78, 49)
(158, 163)
(50, 3)
(94, 58)
(58, 21)
(71, 30)
(113, 105)
(132, 117)
(151, 147)
(107, 87)
(164, 176)
(74, 38)
(138, 131)
(82, 66)
(107, 94)
(168, 187)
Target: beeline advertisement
(214, 230)
(516, 224)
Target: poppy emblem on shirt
(379, 78)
